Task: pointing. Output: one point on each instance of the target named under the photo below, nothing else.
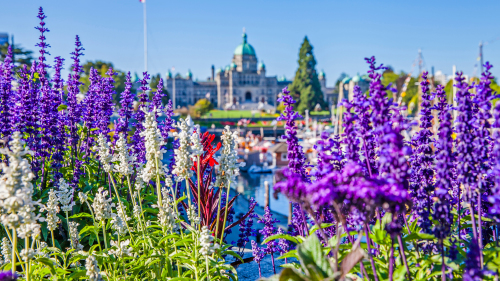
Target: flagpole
(145, 38)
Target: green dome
(227, 68)
(346, 80)
(244, 48)
(356, 78)
(189, 74)
(321, 74)
(233, 65)
(262, 65)
(169, 74)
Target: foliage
(200, 108)
(103, 67)
(306, 87)
(21, 56)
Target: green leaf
(48, 263)
(289, 274)
(81, 215)
(311, 253)
(62, 107)
(281, 236)
(231, 253)
(315, 227)
(77, 274)
(421, 236)
(289, 254)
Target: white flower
(103, 151)
(65, 196)
(101, 205)
(122, 249)
(125, 160)
(83, 197)
(206, 242)
(16, 189)
(75, 236)
(6, 250)
(196, 146)
(193, 216)
(52, 209)
(137, 212)
(166, 214)
(153, 142)
(119, 222)
(228, 167)
(28, 229)
(92, 267)
(27, 254)
(183, 162)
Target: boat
(254, 169)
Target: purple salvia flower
(482, 142)
(6, 78)
(472, 270)
(349, 137)
(422, 161)
(8, 276)
(73, 115)
(258, 255)
(296, 158)
(444, 169)
(268, 231)
(43, 46)
(137, 140)
(126, 110)
(330, 156)
(466, 164)
(364, 129)
(105, 102)
(494, 199)
(283, 244)
(380, 104)
(57, 120)
(295, 155)
(158, 95)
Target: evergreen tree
(306, 88)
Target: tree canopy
(21, 56)
(305, 87)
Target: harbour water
(253, 185)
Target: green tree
(306, 88)
(201, 107)
(102, 67)
(155, 79)
(21, 56)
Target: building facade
(241, 85)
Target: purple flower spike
(444, 169)
(126, 110)
(6, 93)
(8, 276)
(137, 140)
(422, 161)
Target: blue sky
(196, 34)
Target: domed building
(243, 84)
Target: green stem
(218, 216)
(10, 239)
(199, 201)
(27, 246)
(104, 233)
(95, 229)
(130, 189)
(14, 250)
(158, 187)
(121, 206)
(53, 241)
(69, 230)
(225, 213)
(208, 273)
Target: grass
(235, 114)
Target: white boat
(254, 169)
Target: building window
(248, 97)
(284, 156)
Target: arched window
(248, 97)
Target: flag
(142, 1)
